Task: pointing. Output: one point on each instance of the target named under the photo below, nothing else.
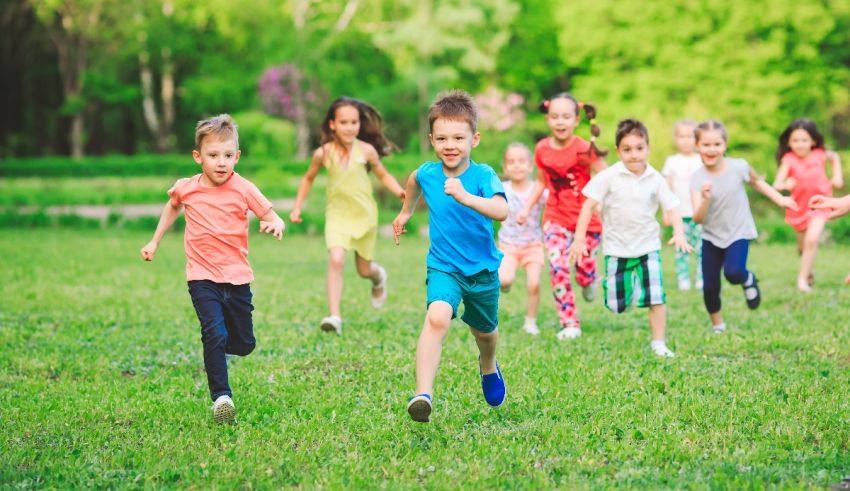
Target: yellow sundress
(351, 213)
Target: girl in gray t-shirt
(720, 204)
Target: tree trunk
(78, 135)
(168, 107)
(424, 128)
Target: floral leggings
(557, 240)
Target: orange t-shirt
(216, 237)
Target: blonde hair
(221, 126)
(521, 146)
(690, 123)
(711, 125)
(454, 105)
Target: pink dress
(810, 176)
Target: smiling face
(685, 139)
(633, 150)
(453, 141)
(562, 117)
(346, 124)
(217, 157)
(711, 147)
(517, 164)
(801, 142)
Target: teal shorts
(479, 292)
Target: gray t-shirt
(728, 218)
(511, 232)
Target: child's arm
(166, 220)
(495, 208)
(782, 181)
(665, 215)
(837, 179)
(700, 201)
(381, 173)
(766, 189)
(411, 197)
(306, 183)
(678, 238)
(536, 193)
(579, 246)
(270, 223)
(837, 206)
(598, 165)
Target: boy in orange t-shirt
(216, 240)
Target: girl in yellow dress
(352, 144)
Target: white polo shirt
(629, 204)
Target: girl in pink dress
(802, 162)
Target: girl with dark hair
(802, 160)
(566, 161)
(352, 144)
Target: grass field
(102, 382)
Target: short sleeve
(696, 181)
(666, 197)
(668, 167)
(744, 169)
(175, 195)
(257, 202)
(597, 188)
(490, 183)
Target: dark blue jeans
(733, 262)
(226, 327)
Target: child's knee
(810, 242)
(439, 317)
(244, 349)
(533, 287)
(736, 276)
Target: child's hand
(665, 219)
(274, 227)
(706, 190)
(836, 206)
(402, 196)
(788, 202)
(681, 243)
(837, 182)
(295, 215)
(399, 223)
(454, 188)
(521, 217)
(149, 250)
(577, 250)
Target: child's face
(633, 151)
(453, 141)
(711, 147)
(685, 139)
(217, 157)
(801, 142)
(346, 124)
(517, 164)
(562, 118)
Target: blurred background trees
(104, 76)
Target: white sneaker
(589, 291)
(568, 333)
(531, 328)
(381, 287)
(662, 350)
(684, 285)
(719, 328)
(223, 410)
(332, 323)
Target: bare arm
(766, 189)
(665, 215)
(381, 173)
(837, 206)
(166, 220)
(700, 201)
(306, 184)
(271, 223)
(781, 183)
(495, 207)
(411, 197)
(536, 193)
(579, 246)
(678, 238)
(837, 179)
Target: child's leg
(368, 269)
(712, 262)
(658, 321)
(336, 267)
(430, 345)
(586, 266)
(695, 240)
(208, 300)
(238, 321)
(486, 342)
(507, 270)
(735, 262)
(683, 273)
(618, 285)
(810, 249)
(532, 273)
(557, 241)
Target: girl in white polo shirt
(630, 192)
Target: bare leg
(430, 345)
(486, 342)
(336, 266)
(507, 271)
(657, 321)
(810, 249)
(716, 318)
(532, 273)
(368, 269)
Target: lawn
(102, 382)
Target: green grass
(102, 383)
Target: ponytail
(589, 112)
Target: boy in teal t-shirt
(463, 199)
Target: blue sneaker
(419, 408)
(493, 386)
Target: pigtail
(590, 112)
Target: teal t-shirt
(461, 238)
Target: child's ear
(197, 156)
(476, 139)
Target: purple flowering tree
(499, 110)
(285, 91)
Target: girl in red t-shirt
(566, 162)
(802, 171)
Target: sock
(530, 321)
(749, 281)
(657, 344)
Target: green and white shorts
(633, 279)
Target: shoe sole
(224, 414)
(419, 411)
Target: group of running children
(582, 200)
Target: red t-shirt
(566, 171)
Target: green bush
(264, 136)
